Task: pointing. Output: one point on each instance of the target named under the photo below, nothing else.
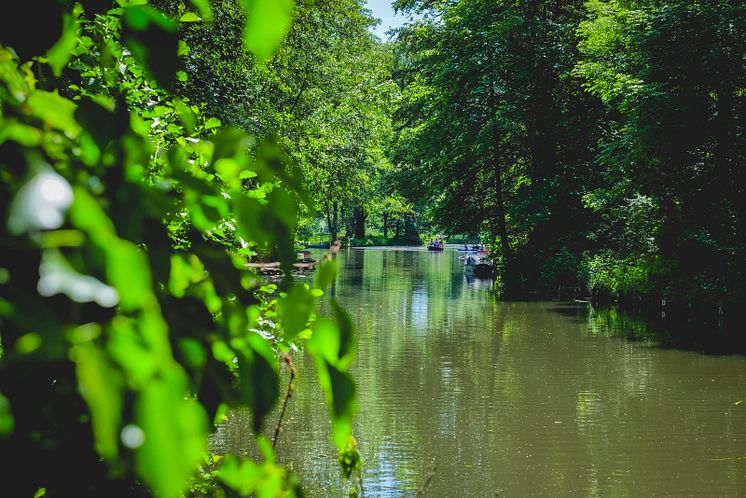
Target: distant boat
(436, 245)
(472, 248)
(322, 245)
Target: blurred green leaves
(330, 348)
(138, 284)
(260, 386)
(6, 417)
(174, 430)
(59, 54)
(54, 111)
(295, 309)
(100, 384)
(266, 25)
(248, 478)
(205, 9)
(152, 39)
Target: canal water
(510, 399)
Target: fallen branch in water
(288, 360)
(421, 492)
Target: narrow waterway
(510, 399)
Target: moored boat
(478, 264)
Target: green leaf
(6, 417)
(183, 48)
(190, 17)
(326, 272)
(251, 220)
(241, 475)
(194, 353)
(127, 268)
(62, 50)
(138, 362)
(283, 205)
(128, 271)
(205, 9)
(23, 134)
(212, 123)
(222, 353)
(295, 310)
(267, 22)
(270, 161)
(343, 392)
(102, 124)
(343, 404)
(228, 170)
(54, 111)
(259, 383)
(324, 342)
(174, 430)
(346, 332)
(87, 215)
(100, 385)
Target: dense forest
(148, 150)
(600, 144)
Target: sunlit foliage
(129, 321)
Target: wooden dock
(274, 267)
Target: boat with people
(436, 244)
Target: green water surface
(510, 399)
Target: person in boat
(466, 247)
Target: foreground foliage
(129, 322)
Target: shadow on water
(673, 333)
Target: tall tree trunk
(332, 219)
(385, 224)
(359, 214)
(502, 230)
(730, 171)
(335, 222)
(508, 271)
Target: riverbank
(703, 325)
(696, 324)
(368, 241)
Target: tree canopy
(599, 143)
